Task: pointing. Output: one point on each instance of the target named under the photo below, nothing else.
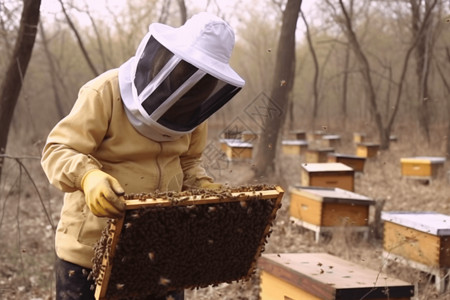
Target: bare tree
(17, 68)
(79, 40)
(282, 85)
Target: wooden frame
(207, 202)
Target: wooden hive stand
(421, 167)
(367, 149)
(321, 276)
(353, 161)
(192, 239)
(420, 240)
(294, 147)
(328, 175)
(325, 210)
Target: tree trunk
(281, 87)
(15, 73)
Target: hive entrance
(184, 240)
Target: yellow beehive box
(296, 147)
(328, 175)
(237, 149)
(319, 155)
(355, 162)
(321, 276)
(331, 140)
(420, 240)
(423, 237)
(367, 149)
(359, 137)
(422, 166)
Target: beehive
(421, 167)
(299, 134)
(353, 161)
(419, 239)
(328, 175)
(192, 239)
(331, 140)
(326, 209)
(321, 276)
(237, 149)
(315, 135)
(367, 149)
(249, 136)
(296, 147)
(359, 137)
(319, 155)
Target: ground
(26, 220)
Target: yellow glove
(205, 184)
(104, 195)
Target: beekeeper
(136, 129)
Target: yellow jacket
(97, 134)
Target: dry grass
(26, 254)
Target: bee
(164, 281)
(120, 286)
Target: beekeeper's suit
(139, 128)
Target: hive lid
(429, 222)
(424, 159)
(330, 277)
(330, 195)
(326, 167)
(237, 143)
(294, 142)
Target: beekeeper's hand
(103, 193)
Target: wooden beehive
(367, 149)
(326, 209)
(315, 135)
(421, 167)
(331, 140)
(420, 240)
(319, 155)
(359, 137)
(353, 161)
(328, 175)
(321, 276)
(185, 240)
(423, 237)
(296, 147)
(249, 136)
(299, 134)
(237, 149)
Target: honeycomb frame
(147, 252)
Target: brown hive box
(358, 137)
(328, 175)
(321, 276)
(422, 167)
(325, 209)
(419, 239)
(191, 239)
(331, 140)
(319, 155)
(353, 161)
(367, 149)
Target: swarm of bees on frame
(179, 246)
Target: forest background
(372, 66)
